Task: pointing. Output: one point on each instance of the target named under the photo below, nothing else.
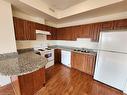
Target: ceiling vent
(52, 10)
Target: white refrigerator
(111, 63)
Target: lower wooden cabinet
(57, 55)
(83, 62)
(30, 83)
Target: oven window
(48, 55)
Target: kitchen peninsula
(26, 70)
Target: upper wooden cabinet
(40, 26)
(65, 34)
(95, 31)
(77, 30)
(68, 33)
(24, 30)
(29, 30)
(85, 31)
(19, 28)
(83, 62)
(53, 32)
(60, 33)
(120, 24)
(109, 25)
(73, 32)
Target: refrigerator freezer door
(111, 69)
(113, 41)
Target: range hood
(41, 32)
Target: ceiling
(68, 11)
(61, 4)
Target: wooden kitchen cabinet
(77, 30)
(50, 29)
(19, 28)
(57, 55)
(60, 33)
(120, 24)
(29, 30)
(83, 62)
(68, 34)
(30, 83)
(53, 32)
(95, 31)
(109, 25)
(85, 31)
(73, 32)
(24, 30)
(77, 61)
(40, 26)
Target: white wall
(115, 16)
(7, 37)
(80, 43)
(28, 17)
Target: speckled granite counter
(92, 52)
(20, 64)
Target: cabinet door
(29, 30)
(53, 35)
(60, 33)
(77, 61)
(90, 64)
(68, 34)
(26, 83)
(77, 30)
(120, 24)
(85, 31)
(19, 28)
(107, 25)
(95, 31)
(24, 30)
(57, 55)
(40, 26)
(83, 62)
(39, 79)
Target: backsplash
(81, 43)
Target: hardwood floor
(6, 90)
(64, 81)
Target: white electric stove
(47, 53)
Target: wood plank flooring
(64, 81)
(61, 80)
(6, 90)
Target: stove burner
(41, 50)
(47, 48)
(82, 50)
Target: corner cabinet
(83, 62)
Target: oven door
(49, 56)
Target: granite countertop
(20, 64)
(67, 48)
